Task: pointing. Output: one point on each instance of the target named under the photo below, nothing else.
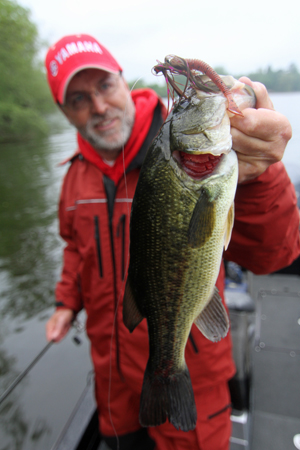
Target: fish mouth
(197, 166)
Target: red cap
(70, 55)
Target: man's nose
(98, 103)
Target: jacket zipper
(98, 247)
(116, 300)
(122, 225)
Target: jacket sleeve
(265, 236)
(68, 288)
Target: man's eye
(106, 86)
(78, 99)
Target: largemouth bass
(181, 220)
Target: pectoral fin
(229, 226)
(213, 321)
(202, 221)
(131, 315)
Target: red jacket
(94, 221)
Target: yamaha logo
(53, 68)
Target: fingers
(259, 129)
(261, 136)
(59, 324)
(257, 122)
(262, 97)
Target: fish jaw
(201, 122)
(197, 166)
(201, 126)
(193, 174)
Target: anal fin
(213, 321)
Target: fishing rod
(76, 339)
(24, 373)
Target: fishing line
(24, 373)
(122, 287)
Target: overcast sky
(239, 35)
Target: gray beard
(101, 142)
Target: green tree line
(24, 94)
(25, 97)
(278, 80)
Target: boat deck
(273, 421)
(266, 341)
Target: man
(115, 129)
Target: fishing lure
(174, 65)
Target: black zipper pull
(98, 246)
(121, 225)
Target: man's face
(99, 105)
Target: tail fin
(168, 397)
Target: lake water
(30, 260)
(34, 414)
(289, 105)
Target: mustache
(97, 118)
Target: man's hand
(59, 324)
(260, 137)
